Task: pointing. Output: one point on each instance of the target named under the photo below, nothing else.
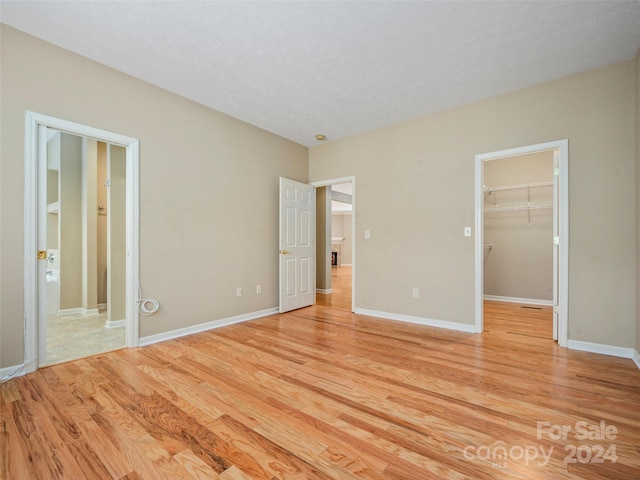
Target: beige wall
(425, 168)
(341, 227)
(208, 183)
(347, 253)
(323, 238)
(520, 262)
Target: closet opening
(518, 245)
(521, 241)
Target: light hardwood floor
(324, 393)
(341, 289)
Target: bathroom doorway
(81, 241)
(85, 232)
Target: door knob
(285, 252)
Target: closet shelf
(517, 208)
(518, 187)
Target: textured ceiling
(337, 67)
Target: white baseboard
(636, 358)
(9, 372)
(115, 323)
(600, 348)
(530, 301)
(78, 311)
(203, 327)
(324, 291)
(428, 322)
(69, 311)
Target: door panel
(305, 276)
(297, 245)
(556, 245)
(42, 219)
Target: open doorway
(518, 247)
(85, 240)
(522, 236)
(335, 255)
(64, 243)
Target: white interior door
(43, 262)
(297, 245)
(556, 236)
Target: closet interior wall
(518, 228)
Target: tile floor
(71, 337)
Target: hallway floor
(72, 337)
(340, 297)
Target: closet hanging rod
(519, 187)
(514, 208)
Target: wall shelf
(517, 208)
(517, 187)
(521, 206)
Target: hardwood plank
(17, 464)
(324, 393)
(195, 467)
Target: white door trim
(33, 121)
(563, 208)
(352, 180)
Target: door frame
(562, 295)
(351, 179)
(34, 275)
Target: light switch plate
(467, 231)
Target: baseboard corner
(14, 371)
(636, 358)
(115, 323)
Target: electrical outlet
(239, 292)
(367, 234)
(258, 289)
(416, 293)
